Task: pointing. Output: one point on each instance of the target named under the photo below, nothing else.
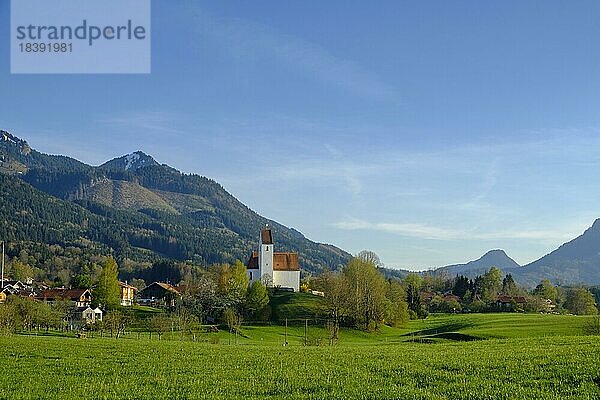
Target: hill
(493, 258)
(575, 262)
(139, 209)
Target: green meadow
(486, 356)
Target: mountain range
(144, 211)
(575, 262)
(136, 207)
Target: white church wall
(253, 275)
(290, 279)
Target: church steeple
(265, 255)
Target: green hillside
(126, 195)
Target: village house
(14, 285)
(79, 297)
(159, 294)
(451, 297)
(16, 288)
(510, 302)
(88, 315)
(127, 294)
(280, 270)
(549, 305)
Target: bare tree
(370, 257)
(160, 324)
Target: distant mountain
(394, 273)
(575, 262)
(140, 209)
(493, 258)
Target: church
(275, 269)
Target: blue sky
(428, 132)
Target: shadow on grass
(452, 336)
(445, 328)
(448, 331)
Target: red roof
(281, 261)
(167, 286)
(285, 262)
(54, 294)
(266, 237)
(503, 298)
(450, 296)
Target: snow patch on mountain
(130, 159)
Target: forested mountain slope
(138, 208)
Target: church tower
(265, 255)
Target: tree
(450, 306)
(509, 286)
(257, 298)
(82, 281)
(580, 301)
(536, 304)
(160, 324)
(20, 270)
(63, 308)
(9, 319)
(186, 321)
(413, 283)
(436, 283)
(370, 257)
(335, 289)
(546, 290)
(24, 309)
(46, 316)
(396, 307)
(232, 283)
(592, 326)
(233, 320)
(108, 292)
(139, 284)
(116, 322)
(366, 290)
(239, 281)
(461, 286)
(491, 284)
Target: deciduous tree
(546, 290)
(107, 292)
(257, 298)
(366, 288)
(580, 301)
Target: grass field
(514, 357)
(436, 328)
(63, 368)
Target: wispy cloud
(412, 230)
(423, 231)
